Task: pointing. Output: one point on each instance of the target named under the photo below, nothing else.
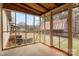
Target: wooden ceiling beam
(31, 7)
(58, 4)
(42, 6)
(46, 12)
(17, 8)
(23, 7)
(51, 9)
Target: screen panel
(37, 28)
(75, 30)
(60, 31)
(30, 29)
(47, 30)
(8, 29)
(20, 28)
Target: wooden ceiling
(32, 8)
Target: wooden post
(51, 29)
(1, 33)
(40, 31)
(25, 27)
(34, 29)
(44, 29)
(15, 29)
(69, 20)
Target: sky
(20, 17)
